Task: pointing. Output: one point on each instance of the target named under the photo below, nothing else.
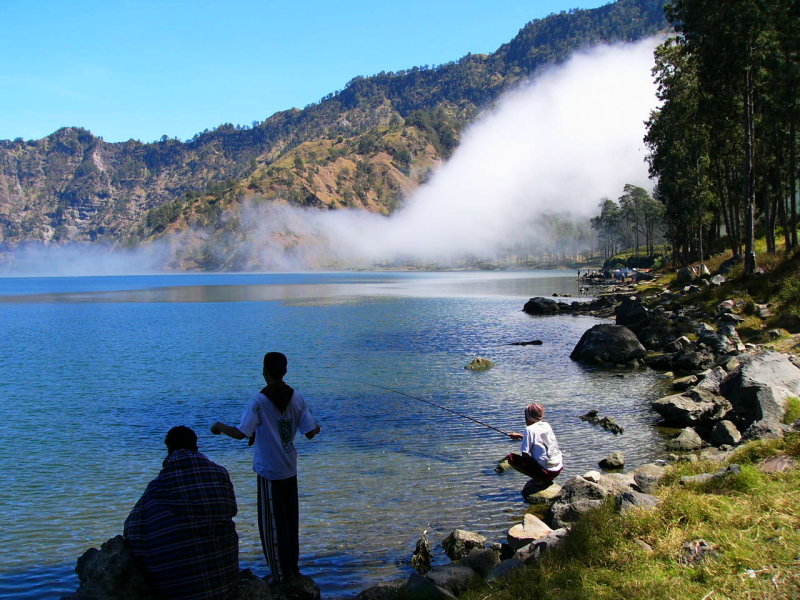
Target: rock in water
(421, 559)
(605, 343)
(480, 364)
(458, 544)
(615, 460)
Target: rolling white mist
(558, 143)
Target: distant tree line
(636, 221)
(724, 142)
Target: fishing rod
(450, 410)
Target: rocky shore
(726, 393)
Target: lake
(95, 370)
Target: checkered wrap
(182, 533)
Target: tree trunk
(748, 174)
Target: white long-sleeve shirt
(539, 441)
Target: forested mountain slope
(365, 146)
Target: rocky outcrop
(606, 344)
(584, 493)
(724, 408)
(540, 306)
(110, 573)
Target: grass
(751, 519)
(792, 412)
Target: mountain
(366, 146)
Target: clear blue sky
(145, 68)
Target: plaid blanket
(181, 530)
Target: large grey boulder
(299, 588)
(387, 590)
(605, 343)
(759, 388)
(695, 407)
(504, 568)
(540, 306)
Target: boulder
(301, 587)
(615, 460)
(777, 464)
(536, 492)
(419, 587)
(630, 312)
(458, 544)
(685, 276)
(252, 587)
(111, 573)
(705, 477)
(759, 388)
(683, 383)
(481, 560)
(453, 577)
(564, 514)
(692, 361)
(686, 440)
(688, 409)
(633, 500)
(388, 590)
(532, 528)
(504, 568)
(606, 343)
(725, 433)
(647, 477)
(535, 549)
(540, 306)
(728, 264)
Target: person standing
(270, 421)
(540, 457)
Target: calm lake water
(95, 370)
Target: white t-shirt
(275, 456)
(540, 442)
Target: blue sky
(140, 69)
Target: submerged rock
(480, 364)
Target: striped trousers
(278, 526)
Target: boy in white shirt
(540, 458)
(270, 421)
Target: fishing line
(450, 410)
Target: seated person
(181, 531)
(540, 458)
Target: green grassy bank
(752, 521)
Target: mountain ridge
(366, 146)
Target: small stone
(480, 364)
(615, 460)
(593, 476)
(683, 383)
(697, 551)
(686, 440)
(777, 464)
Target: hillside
(366, 147)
